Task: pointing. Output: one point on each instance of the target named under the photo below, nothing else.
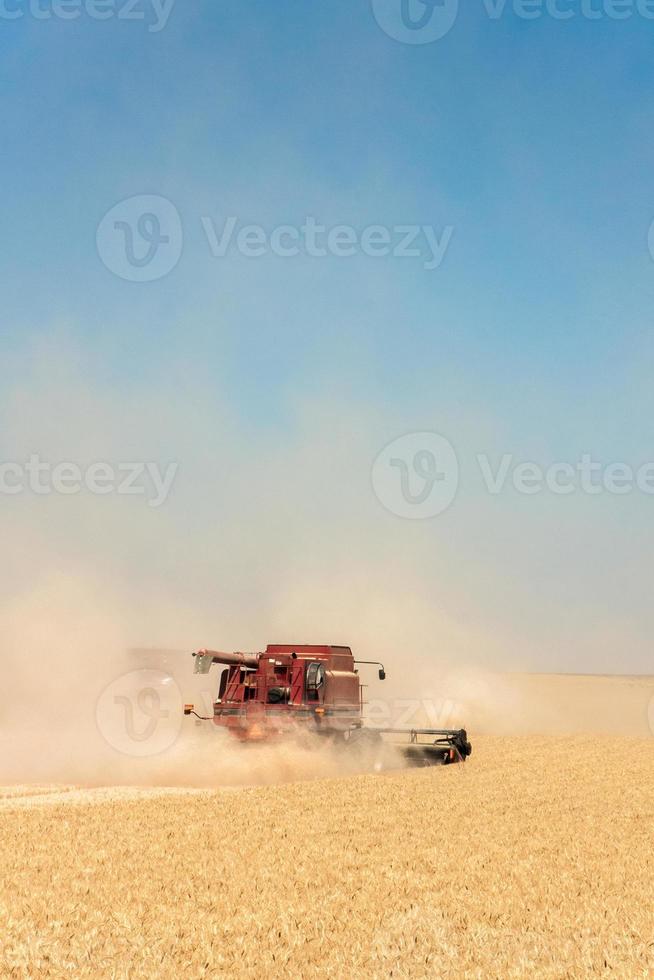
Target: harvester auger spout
(291, 689)
(206, 658)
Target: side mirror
(382, 674)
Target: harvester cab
(291, 689)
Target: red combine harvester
(292, 689)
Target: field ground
(536, 859)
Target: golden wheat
(535, 860)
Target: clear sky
(275, 381)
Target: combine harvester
(288, 691)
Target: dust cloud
(82, 707)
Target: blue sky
(531, 139)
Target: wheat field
(536, 859)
